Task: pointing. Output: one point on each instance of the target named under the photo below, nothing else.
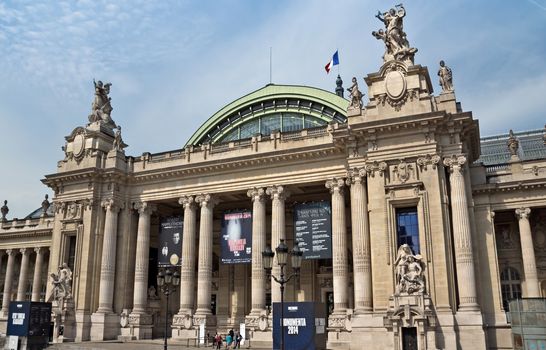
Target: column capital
(24, 251)
(112, 205)
(455, 162)
(523, 213)
(277, 192)
(356, 176)
(256, 193)
(188, 202)
(9, 252)
(145, 207)
(40, 250)
(206, 200)
(335, 185)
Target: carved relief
(403, 171)
(409, 272)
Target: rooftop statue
(355, 95)
(101, 107)
(446, 77)
(396, 43)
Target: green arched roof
(316, 104)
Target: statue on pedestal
(101, 107)
(396, 42)
(446, 77)
(355, 95)
(62, 285)
(409, 272)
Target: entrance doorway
(409, 338)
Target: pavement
(133, 345)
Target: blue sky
(174, 63)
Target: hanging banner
(236, 242)
(313, 229)
(170, 241)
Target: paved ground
(133, 345)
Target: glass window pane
(270, 123)
(408, 228)
(249, 129)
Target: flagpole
(270, 64)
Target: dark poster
(170, 241)
(313, 229)
(236, 242)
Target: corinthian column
(8, 281)
(187, 275)
(528, 253)
(140, 296)
(204, 273)
(23, 278)
(464, 257)
(339, 249)
(362, 274)
(108, 260)
(37, 279)
(278, 195)
(258, 246)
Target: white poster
(202, 333)
(242, 332)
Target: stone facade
(481, 220)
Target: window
(71, 252)
(407, 228)
(510, 286)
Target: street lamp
(167, 281)
(282, 257)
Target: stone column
(204, 273)
(464, 256)
(258, 246)
(362, 273)
(142, 258)
(8, 281)
(187, 275)
(23, 274)
(339, 254)
(528, 253)
(108, 260)
(37, 279)
(278, 231)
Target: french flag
(333, 62)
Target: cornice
(510, 186)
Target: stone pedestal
(105, 326)
(64, 321)
(411, 311)
(140, 327)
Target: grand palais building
(426, 230)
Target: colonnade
(23, 277)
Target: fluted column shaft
(258, 246)
(140, 297)
(464, 257)
(23, 274)
(8, 281)
(362, 273)
(37, 278)
(187, 272)
(108, 260)
(339, 246)
(204, 273)
(528, 253)
(278, 195)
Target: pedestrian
(229, 340)
(238, 338)
(218, 341)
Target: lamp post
(282, 257)
(167, 281)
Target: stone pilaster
(8, 281)
(204, 273)
(23, 274)
(108, 260)
(362, 273)
(464, 256)
(528, 254)
(278, 196)
(258, 246)
(187, 275)
(139, 320)
(339, 255)
(37, 278)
